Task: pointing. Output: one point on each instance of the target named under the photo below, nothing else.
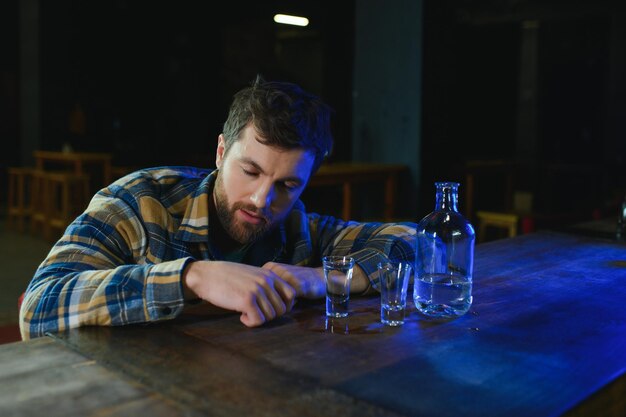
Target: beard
(241, 232)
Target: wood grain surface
(545, 336)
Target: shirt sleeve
(100, 273)
(367, 243)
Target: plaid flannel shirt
(122, 260)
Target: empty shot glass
(394, 282)
(338, 276)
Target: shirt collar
(195, 224)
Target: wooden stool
(57, 197)
(505, 221)
(38, 215)
(18, 203)
(66, 195)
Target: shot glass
(338, 276)
(394, 282)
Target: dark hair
(284, 115)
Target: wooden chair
(18, 199)
(67, 195)
(487, 219)
(56, 199)
(506, 209)
(38, 197)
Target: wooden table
(605, 228)
(546, 336)
(347, 175)
(77, 161)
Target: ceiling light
(291, 20)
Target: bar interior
(508, 116)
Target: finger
(287, 293)
(271, 302)
(270, 265)
(292, 282)
(264, 300)
(269, 291)
(252, 316)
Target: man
(237, 238)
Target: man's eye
(249, 173)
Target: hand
(259, 294)
(308, 282)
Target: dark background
(474, 107)
(154, 80)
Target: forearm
(109, 297)
(126, 294)
(369, 244)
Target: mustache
(251, 209)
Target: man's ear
(221, 150)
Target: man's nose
(262, 197)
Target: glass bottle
(444, 259)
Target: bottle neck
(447, 196)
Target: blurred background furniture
(37, 203)
(56, 198)
(499, 173)
(66, 196)
(495, 200)
(18, 199)
(96, 164)
(348, 175)
(506, 221)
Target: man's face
(257, 185)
